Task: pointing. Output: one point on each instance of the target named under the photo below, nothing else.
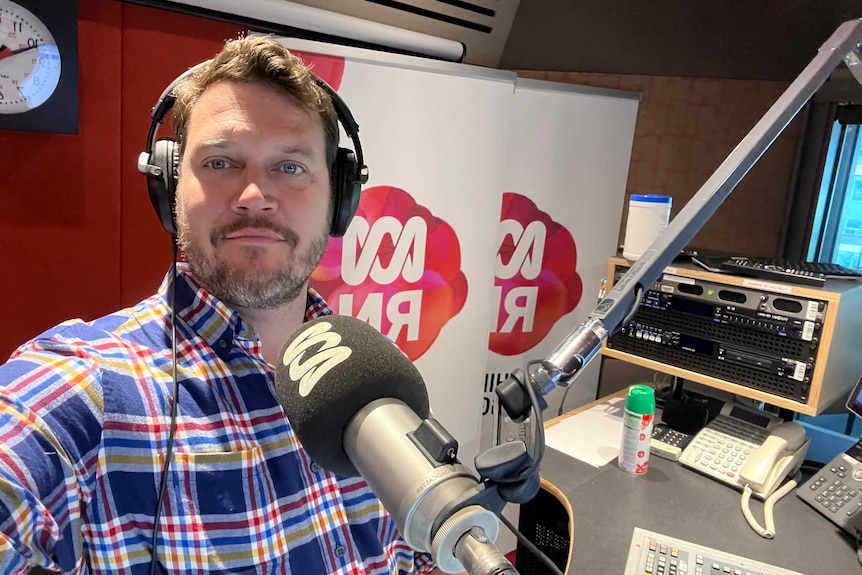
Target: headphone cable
(174, 400)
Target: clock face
(29, 60)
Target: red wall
(78, 237)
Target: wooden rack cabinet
(753, 346)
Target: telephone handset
(780, 455)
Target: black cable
(639, 291)
(812, 464)
(529, 545)
(563, 400)
(174, 400)
(538, 425)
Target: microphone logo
(328, 355)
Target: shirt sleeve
(423, 563)
(49, 427)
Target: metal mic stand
(473, 549)
(581, 345)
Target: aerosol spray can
(637, 429)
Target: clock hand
(6, 52)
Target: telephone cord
(767, 532)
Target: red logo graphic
(536, 280)
(398, 268)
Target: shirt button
(315, 467)
(222, 343)
(340, 550)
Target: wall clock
(39, 65)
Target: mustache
(219, 234)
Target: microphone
(360, 408)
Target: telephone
(743, 446)
(836, 490)
(752, 451)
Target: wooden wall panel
(685, 128)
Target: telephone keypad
(721, 448)
(836, 490)
(667, 442)
(837, 494)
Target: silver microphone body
(417, 491)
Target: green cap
(641, 399)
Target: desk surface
(673, 500)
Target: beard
(250, 288)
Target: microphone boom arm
(584, 342)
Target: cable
(563, 400)
(538, 429)
(174, 400)
(767, 532)
(529, 545)
(639, 292)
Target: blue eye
(217, 164)
(290, 168)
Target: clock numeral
(32, 42)
(2, 97)
(17, 26)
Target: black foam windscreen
(332, 367)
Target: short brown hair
(257, 59)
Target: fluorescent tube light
(325, 22)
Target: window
(837, 228)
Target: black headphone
(160, 163)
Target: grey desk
(608, 504)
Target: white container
(647, 219)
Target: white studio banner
(568, 160)
(417, 261)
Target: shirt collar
(214, 321)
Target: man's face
(253, 195)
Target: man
(85, 408)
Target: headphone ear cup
(346, 189)
(163, 186)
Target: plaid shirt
(84, 423)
